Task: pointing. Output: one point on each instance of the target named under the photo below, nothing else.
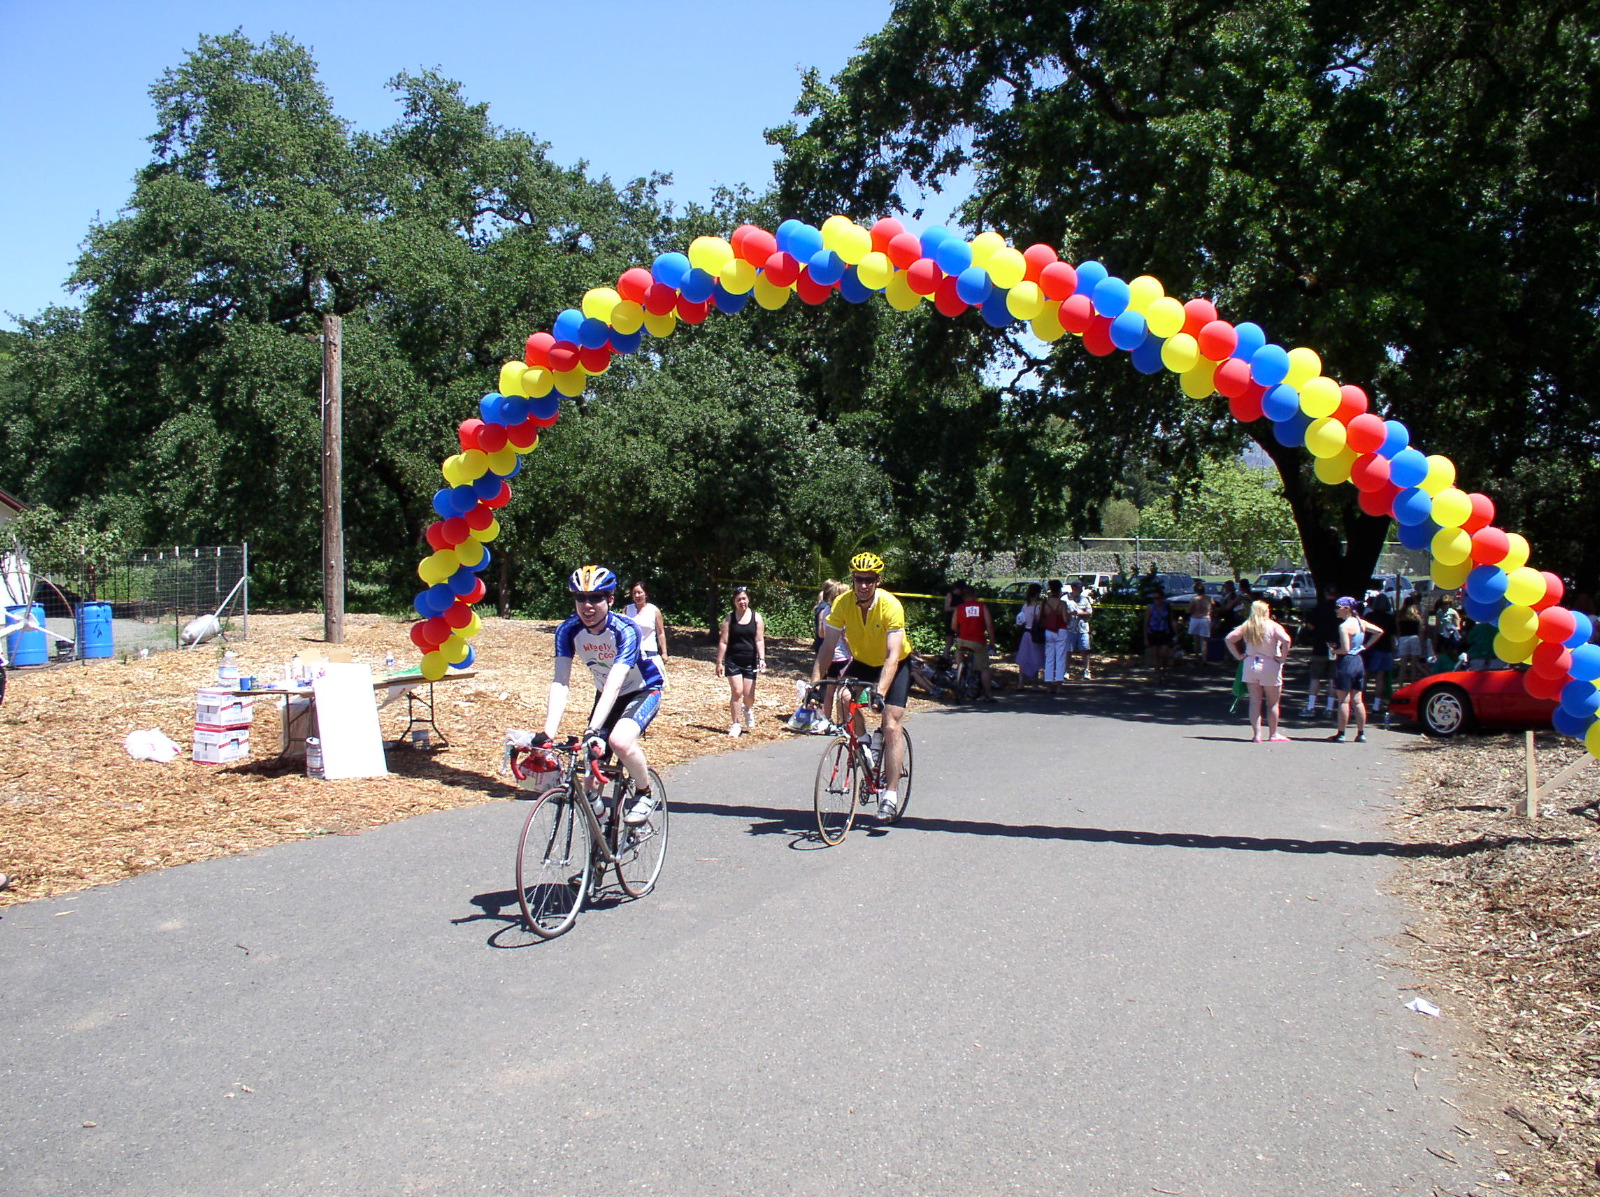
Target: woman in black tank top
(741, 654)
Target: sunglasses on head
(598, 596)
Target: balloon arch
(1260, 380)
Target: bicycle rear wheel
(835, 794)
(905, 777)
(553, 864)
(642, 850)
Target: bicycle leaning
(576, 831)
(850, 774)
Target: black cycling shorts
(640, 706)
(899, 689)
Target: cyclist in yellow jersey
(874, 624)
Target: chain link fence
(1136, 555)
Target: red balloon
(435, 536)
(419, 636)
(1077, 314)
(736, 239)
(1551, 659)
(1541, 686)
(524, 436)
(563, 357)
(467, 433)
(885, 231)
(475, 595)
(1352, 403)
(1217, 340)
(1245, 407)
(1378, 502)
(1233, 378)
(1554, 588)
(1489, 545)
(1197, 314)
(810, 291)
(596, 361)
(1370, 472)
(492, 438)
(458, 615)
(924, 276)
(1058, 280)
(1037, 257)
(781, 269)
(757, 245)
(537, 351)
(946, 299)
(500, 499)
(635, 284)
(479, 518)
(456, 530)
(1097, 337)
(904, 249)
(436, 630)
(1556, 625)
(689, 313)
(1482, 513)
(660, 299)
(1366, 434)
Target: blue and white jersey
(616, 642)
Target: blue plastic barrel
(28, 647)
(94, 630)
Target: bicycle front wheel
(905, 777)
(835, 796)
(553, 864)
(641, 850)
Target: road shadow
(501, 909)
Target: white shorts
(1200, 626)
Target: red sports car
(1447, 703)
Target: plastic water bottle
(228, 671)
(313, 757)
(388, 662)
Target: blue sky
(631, 86)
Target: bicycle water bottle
(875, 747)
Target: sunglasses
(864, 579)
(598, 597)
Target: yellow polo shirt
(869, 638)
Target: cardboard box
(218, 708)
(221, 746)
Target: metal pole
(245, 566)
(332, 480)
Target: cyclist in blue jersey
(627, 683)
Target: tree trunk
(1342, 543)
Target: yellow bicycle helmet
(866, 563)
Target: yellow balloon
(503, 461)
(1007, 268)
(1144, 291)
(1325, 437)
(571, 382)
(738, 276)
(511, 378)
(455, 649)
(470, 552)
(1591, 739)
(474, 464)
(1025, 301)
(432, 570)
(659, 326)
(899, 293)
(1441, 474)
(1450, 577)
(1525, 586)
(1451, 547)
(984, 247)
(769, 295)
(628, 317)
(1165, 316)
(450, 467)
(486, 534)
(1180, 353)
(1516, 555)
(599, 302)
(1451, 507)
(537, 382)
(433, 666)
(855, 243)
(1336, 469)
(1319, 397)
(710, 254)
(1513, 652)
(834, 230)
(474, 626)
(1304, 364)
(1047, 324)
(1197, 381)
(874, 271)
(1519, 623)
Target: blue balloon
(669, 270)
(698, 286)
(463, 499)
(1581, 698)
(466, 661)
(935, 236)
(952, 254)
(1147, 357)
(1291, 433)
(514, 408)
(1280, 403)
(567, 325)
(1251, 338)
(1128, 329)
(825, 267)
(627, 342)
(489, 408)
(440, 597)
(1483, 612)
(546, 408)
(444, 503)
(728, 302)
(1582, 632)
(1486, 583)
(995, 312)
(805, 242)
(484, 564)
(1418, 536)
(851, 289)
(593, 333)
(1090, 274)
(486, 487)
(1397, 438)
(1586, 662)
(1570, 724)
(973, 285)
(1270, 365)
(1408, 468)
(1412, 506)
(459, 583)
(423, 605)
(784, 232)
(1111, 297)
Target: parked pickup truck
(1297, 588)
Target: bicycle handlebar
(860, 690)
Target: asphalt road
(1112, 949)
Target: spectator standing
(1480, 646)
(1408, 643)
(1356, 635)
(838, 701)
(951, 598)
(1227, 614)
(1056, 616)
(1380, 657)
(1030, 649)
(1200, 622)
(1324, 639)
(1080, 610)
(1447, 633)
(1263, 644)
(647, 618)
(1158, 634)
(741, 655)
(974, 631)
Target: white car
(1093, 583)
(1295, 587)
(1384, 585)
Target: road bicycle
(968, 682)
(566, 844)
(850, 774)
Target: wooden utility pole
(332, 480)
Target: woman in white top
(1263, 645)
(647, 616)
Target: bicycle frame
(576, 786)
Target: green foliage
(71, 546)
(1231, 510)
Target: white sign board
(347, 722)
